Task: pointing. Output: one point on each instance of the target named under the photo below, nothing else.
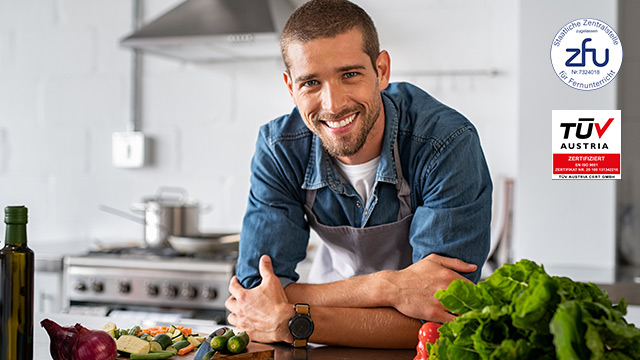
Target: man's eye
(310, 83)
(350, 74)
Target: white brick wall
(65, 88)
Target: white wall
(560, 223)
(65, 88)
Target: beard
(349, 144)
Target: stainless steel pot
(168, 213)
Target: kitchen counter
(282, 351)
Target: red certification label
(586, 144)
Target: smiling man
(394, 183)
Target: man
(394, 183)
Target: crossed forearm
(364, 327)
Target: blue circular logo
(586, 54)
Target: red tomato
(429, 332)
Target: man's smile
(340, 123)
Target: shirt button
(358, 204)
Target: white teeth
(342, 123)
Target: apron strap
(402, 186)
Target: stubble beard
(349, 144)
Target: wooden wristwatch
(301, 325)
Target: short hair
(329, 18)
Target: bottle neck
(16, 234)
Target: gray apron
(348, 251)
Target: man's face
(337, 90)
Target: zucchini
(209, 355)
(163, 339)
(154, 346)
(181, 344)
(155, 355)
(132, 344)
(220, 342)
(134, 330)
(196, 340)
(238, 343)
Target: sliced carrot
(187, 349)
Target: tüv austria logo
(586, 144)
(586, 54)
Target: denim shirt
(441, 158)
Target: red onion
(79, 343)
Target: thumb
(265, 267)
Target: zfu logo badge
(586, 54)
(586, 144)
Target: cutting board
(254, 351)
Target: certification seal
(586, 54)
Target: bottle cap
(15, 215)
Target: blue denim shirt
(441, 158)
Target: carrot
(187, 349)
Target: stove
(156, 280)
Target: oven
(138, 281)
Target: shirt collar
(322, 172)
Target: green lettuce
(520, 312)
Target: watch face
(301, 327)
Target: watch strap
(302, 309)
(299, 342)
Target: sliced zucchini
(181, 344)
(163, 339)
(196, 340)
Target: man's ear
(286, 76)
(383, 65)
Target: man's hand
(263, 312)
(416, 285)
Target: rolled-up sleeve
(453, 218)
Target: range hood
(215, 30)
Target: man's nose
(333, 97)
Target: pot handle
(164, 190)
(122, 214)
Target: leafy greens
(521, 312)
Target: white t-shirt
(361, 176)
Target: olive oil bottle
(16, 288)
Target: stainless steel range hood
(215, 30)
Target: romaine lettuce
(520, 312)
